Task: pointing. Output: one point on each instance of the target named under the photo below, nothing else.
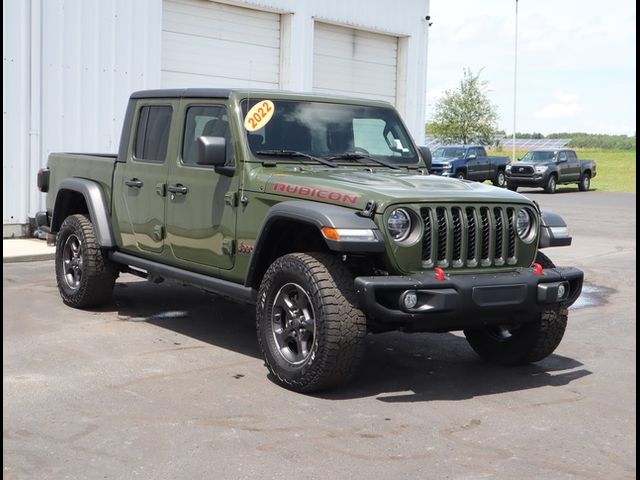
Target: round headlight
(399, 224)
(524, 223)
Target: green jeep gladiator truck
(321, 212)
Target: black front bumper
(465, 300)
(532, 181)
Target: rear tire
(513, 188)
(85, 276)
(585, 182)
(521, 344)
(552, 184)
(310, 331)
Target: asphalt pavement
(166, 382)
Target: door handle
(178, 189)
(134, 183)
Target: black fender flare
(319, 215)
(553, 230)
(96, 204)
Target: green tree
(465, 114)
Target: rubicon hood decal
(319, 193)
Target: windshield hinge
(369, 209)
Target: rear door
(201, 204)
(574, 164)
(139, 184)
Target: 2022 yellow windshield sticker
(259, 115)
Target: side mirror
(212, 151)
(425, 153)
(473, 156)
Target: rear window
(152, 134)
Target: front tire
(585, 182)
(461, 176)
(85, 276)
(552, 184)
(310, 331)
(521, 344)
(500, 180)
(513, 188)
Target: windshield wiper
(361, 156)
(294, 153)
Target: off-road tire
(97, 273)
(585, 182)
(500, 180)
(529, 342)
(552, 184)
(340, 327)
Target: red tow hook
(440, 275)
(538, 269)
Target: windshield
(448, 152)
(331, 129)
(541, 157)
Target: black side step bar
(221, 287)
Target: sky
(576, 61)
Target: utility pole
(515, 87)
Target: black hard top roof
(184, 93)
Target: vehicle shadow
(559, 190)
(397, 367)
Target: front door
(474, 165)
(201, 204)
(138, 186)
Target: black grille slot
(456, 214)
(425, 213)
(511, 232)
(497, 213)
(469, 236)
(521, 170)
(441, 215)
(486, 233)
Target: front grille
(473, 236)
(524, 170)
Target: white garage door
(353, 62)
(208, 44)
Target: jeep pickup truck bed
(321, 212)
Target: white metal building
(70, 66)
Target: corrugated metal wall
(69, 66)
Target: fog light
(410, 299)
(562, 290)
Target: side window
(473, 151)
(204, 121)
(562, 156)
(481, 152)
(572, 156)
(152, 133)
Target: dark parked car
(549, 168)
(470, 162)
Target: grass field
(616, 168)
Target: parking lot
(167, 382)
